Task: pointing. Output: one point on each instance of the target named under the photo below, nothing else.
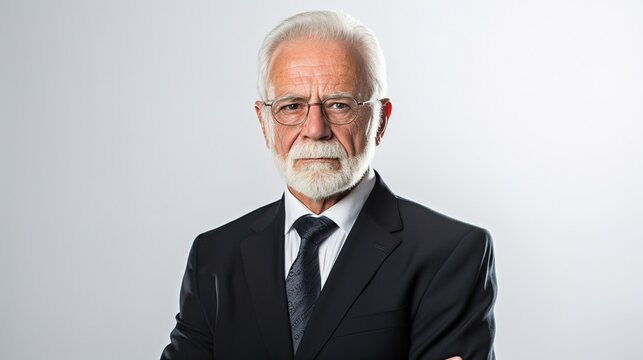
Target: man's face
(317, 158)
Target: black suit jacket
(408, 283)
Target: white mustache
(317, 149)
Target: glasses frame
(270, 103)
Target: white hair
(330, 26)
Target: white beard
(320, 180)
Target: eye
(338, 105)
(290, 107)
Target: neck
(320, 205)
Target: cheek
(284, 138)
(353, 138)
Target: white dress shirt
(343, 213)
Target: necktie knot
(314, 229)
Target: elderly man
(339, 267)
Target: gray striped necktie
(303, 283)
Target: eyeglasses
(293, 111)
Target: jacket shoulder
(240, 227)
(419, 219)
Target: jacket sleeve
(191, 338)
(455, 315)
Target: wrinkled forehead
(314, 67)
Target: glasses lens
(289, 111)
(340, 110)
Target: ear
(385, 114)
(258, 107)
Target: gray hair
(332, 26)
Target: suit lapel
(263, 263)
(369, 243)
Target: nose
(316, 127)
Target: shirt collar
(343, 213)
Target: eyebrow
(338, 95)
(288, 96)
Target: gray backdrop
(127, 128)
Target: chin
(318, 182)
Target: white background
(127, 128)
